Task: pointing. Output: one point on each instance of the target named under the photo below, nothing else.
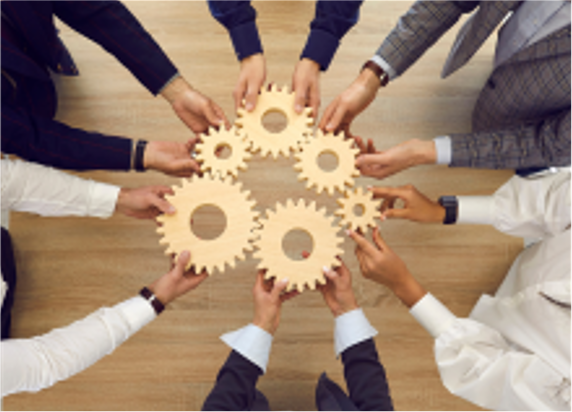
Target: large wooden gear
(297, 129)
(231, 243)
(210, 145)
(342, 176)
(360, 199)
(307, 272)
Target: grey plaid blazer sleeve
(541, 144)
(418, 29)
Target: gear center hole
(223, 151)
(327, 161)
(274, 121)
(208, 222)
(297, 244)
(359, 210)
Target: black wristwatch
(451, 206)
(153, 301)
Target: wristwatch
(379, 72)
(152, 299)
(451, 206)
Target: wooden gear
(211, 143)
(357, 197)
(338, 178)
(297, 130)
(292, 217)
(237, 235)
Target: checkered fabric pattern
(522, 117)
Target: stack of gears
(245, 230)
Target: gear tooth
(160, 230)
(308, 111)
(311, 285)
(290, 203)
(274, 87)
(240, 113)
(285, 89)
(312, 205)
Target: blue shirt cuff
(245, 40)
(252, 342)
(351, 328)
(443, 147)
(320, 47)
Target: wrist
(173, 90)
(424, 152)
(265, 325)
(408, 290)
(344, 308)
(310, 64)
(149, 155)
(438, 213)
(369, 78)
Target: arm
(37, 363)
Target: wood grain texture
(70, 267)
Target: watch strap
(451, 206)
(379, 72)
(152, 299)
(139, 153)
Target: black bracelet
(156, 303)
(139, 153)
(451, 207)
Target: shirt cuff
(443, 147)
(380, 61)
(432, 315)
(138, 312)
(103, 199)
(252, 342)
(320, 47)
(245, 40)
(477, 210)
(351, 328)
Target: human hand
(268, 299)
(144, 202)
(171, 158)
(177, 281)
(197, 111)
(341, 112)
(417, 206)
(403, 156)
(250, 80)
(338, 292)
(306, 86)
(382, 265)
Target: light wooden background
(68, 268)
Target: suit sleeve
(365, 378)
(51, 143)
(111, 25)
(418, 29)
(235, 387)
(540, 144)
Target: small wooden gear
(233, 139)
(338, 178)
(297, 217)
(297, 129)
(231, 243)
(359, 198)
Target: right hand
(417, 206)
(338, 292)
(171, 158)
(342, 111)
(178, 281)
(268, 298)
(250, 80)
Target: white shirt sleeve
(476, 363)
(525, 207)
(351, 328)
(444, 150)
(30, 187)
(252, 342)
(37, 363)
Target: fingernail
(326, 269)
(284, 281)
(185, 254)
(249, 106)
(369, 187)
(171, 209)
(329, 126)
(298, 108)
(348, 232)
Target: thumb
(211, 116)
(330, 274)
(396, 214)
(163, 205)
(336, 119)
(279, 287)
(182, 261)
(367, 160)
(379, 240)
(250, 99)
(299, 99)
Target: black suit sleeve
(235, 387)
(365, 378)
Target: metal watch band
(451, 206)
(139, 152)
(379, 72)
(156, 303)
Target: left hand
(306, 86)
(171, 158)
(197, 111)
(144, 202)
(338, 292)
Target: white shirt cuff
(137, 311)
(351, 328)
(432, 315)
(103, 199)
(380, 61)
(479, 210)
(252, 342)
(443, 147)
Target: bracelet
(451, 206)
(379, 72)
(138, 158)
(152, 299)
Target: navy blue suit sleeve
(111, 25)
(365, 378)
(235, 387)
(51, 143)
(332, 21)
(239, 18)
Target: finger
(163, 190)
(279, 287)
(360, 144)
(211, 116)
(315, 101)
(162, 205)
(336, 119)
(368, 160)
(361, 242)
(300, 99)
(182, 261)
(396, 214)
(251, 98)
(378, 240)
(238, 94)
(370, 146)
(190, 145)
(327, 115)
(259, 283)
(289, 295)
(387, 192)
(330, 274)
(342, 270)
(220, 114)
